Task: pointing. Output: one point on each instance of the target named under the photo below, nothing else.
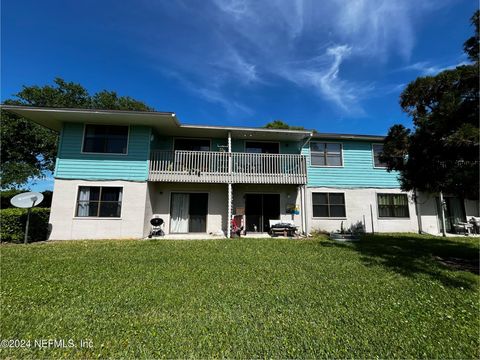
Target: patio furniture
(463, 227)
(282, 228)
(475, 221)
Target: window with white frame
(377, 151)
(108, 139)
(393, 205)
(325, 154)
(328, 205)
(99, 201)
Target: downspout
(417, 210)
(442, 214)
(308, 138)
(229, 186)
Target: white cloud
(322, 74)
(426, 68)
(216, 96)
(395, 89)
(378, 27)
(211, 93)
(329, 82)
(236, 8)
(244, 43)
(233, 63)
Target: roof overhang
(53, 118)
(330, 136)
(165, 123)
(246, 133)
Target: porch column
(229, 188)
(229, 212)
(442, 214)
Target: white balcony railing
(223, 167)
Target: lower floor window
(99, 201)
(328, 204)
(393, 205)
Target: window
(393, 205)
(192, 144)
(96, 201)
(328, 204)
(109, 139)
(377, 150)
(326, 154)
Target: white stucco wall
(357, 205)
(160, 195)
(428, 209)
(65, 226)
(149, 201)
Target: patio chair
(463, 227)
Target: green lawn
(387, 297)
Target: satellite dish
(26, 200)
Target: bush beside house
(12, 227)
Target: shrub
(6, 195)
(12, 227)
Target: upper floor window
(192, 144)
(328, 204)
(99, 201)
(325, 154)
(377, 151)
(109, 139)
(393, 205)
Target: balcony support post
(229, 215)
(229, 187)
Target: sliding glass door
(188, 212)
(260, 209)
(455, 213)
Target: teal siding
(72, 164)
(357, 170)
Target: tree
(28, 149)
(441, 153)
(279, 124)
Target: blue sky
(333, 65)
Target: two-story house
(115, 169)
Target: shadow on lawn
(410, 255)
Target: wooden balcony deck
(224, 167)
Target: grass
(385, 297)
